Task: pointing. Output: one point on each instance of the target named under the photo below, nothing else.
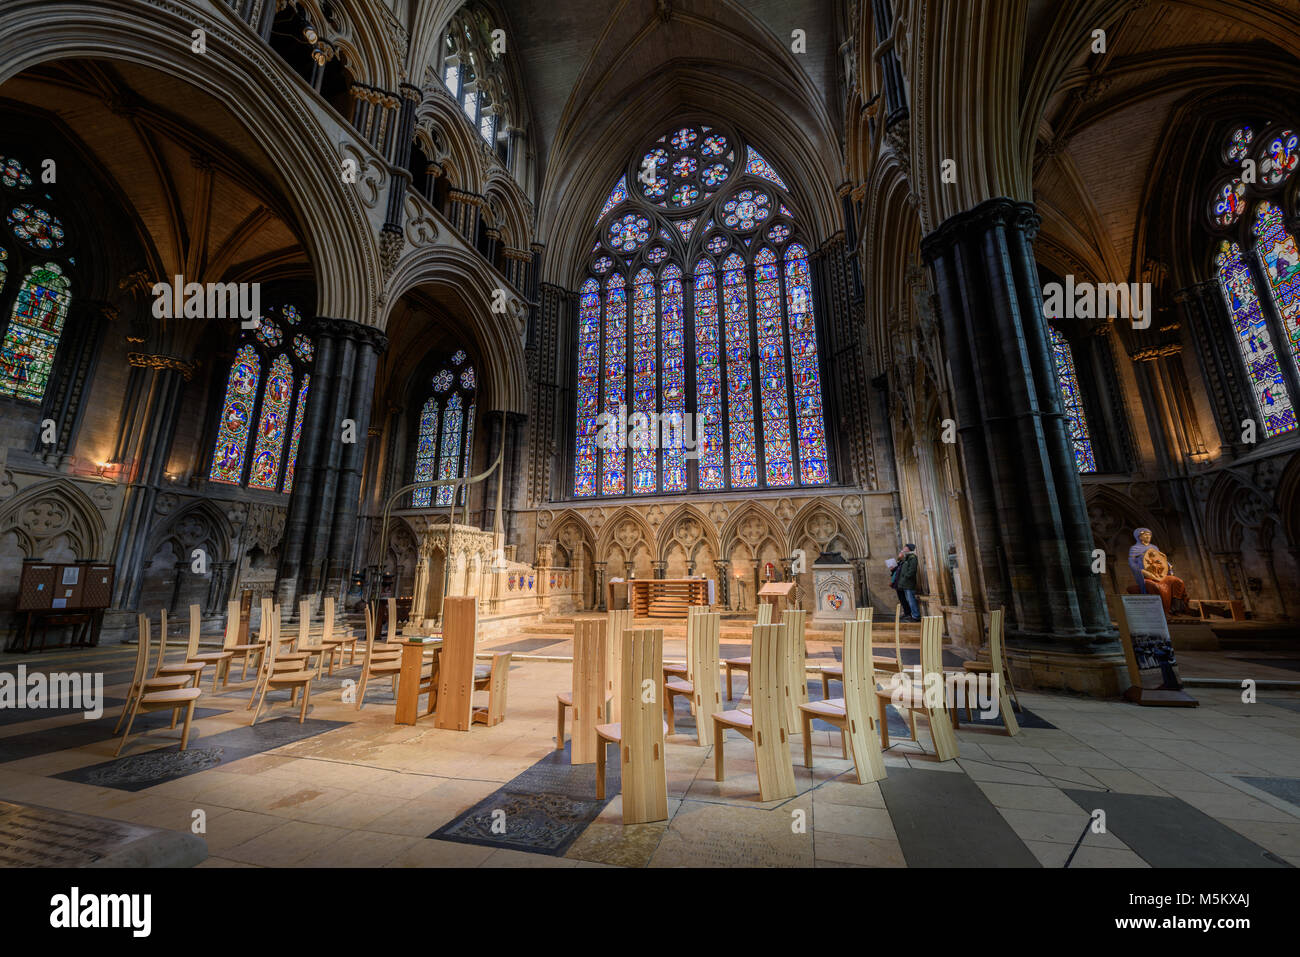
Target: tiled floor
(369, 793)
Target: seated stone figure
(1154, 573)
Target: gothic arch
(1223, 527)
(731, 533)
(246, 76)
(41, 515)
(670, 534)
(844, 527)
(193, 526)
(1288, 500)
(624, 530)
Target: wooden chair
(244, 650)
(336, 642)
(852, 714)
(616, 622)
(214, 658)
(156, 693)
(587, 693)
(764, 613)
(745, 662)
(272, 679)
(376, 664)
(878, 662)
(640, 733)
(326, 645)
(245, 617)
(914, 699)
(187, 667)
(997, 665)
(494, 682)
(796, 624)
(154, 683)
(765, 724)
(702, 631)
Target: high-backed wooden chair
(238, 650)
(494, 682)
(297, 680)
(640, 733)
(376, 664)
(456, 668)
(616, 622)
(147, 682)
(587, 694)
(214, 658)
(934, 708)
(997, 665)
(245, 617)
(889, 663)
(764, 613)
(745, 662)
(852, 714)
(164, 667)
(156, 693)
(796, 622)
(702, 636)
(336, 638)
(320, 648)
(765, 723)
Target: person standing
(907, 565)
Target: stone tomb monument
(834, 586)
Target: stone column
(601, 604)
(659, 568)
(722, 589)
(321, 527)
(1031, 524)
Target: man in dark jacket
(907, 564)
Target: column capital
(1000, 211)
(347, 329)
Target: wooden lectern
(775, 593)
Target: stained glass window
(584, 476)
(1280, 263)
(272, 426)
(445, 432)
(814, 465)
(27, 351)
(299, 408)
(426, 452)
(4, 267)
(236, 414)
(612, 460)
(1281, 155)
(14, 174)
(672, 337)
(449, 456)
(1266, 381)
(269, 418)
(645, 347)
(728, 361)
(38, 228)
(1067, 381)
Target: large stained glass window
(35, 325)
(263, 405)
(729, 360)
(1067, 382)
(35, 302)
(445, 431)
(1257, 265)
(1267, 383)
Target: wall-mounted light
(309, 32)
(102, 467)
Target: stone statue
(1154, 573)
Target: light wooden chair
(702, 638)
(325, 646)
(616, 622)
(765, 724)
(156, 693)
(335, 638)
(214, 658)
(914, 699)
(163, 667)
(587, 693)
(997, 665)
(376, 664)
(640, 733)
(243, 650)
(745, 662)
(494, 682)
(298, 680)
(764, 613)
(796, 625)
(878, 662)
(852, 714)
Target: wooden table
(408, 679)
(664, 597)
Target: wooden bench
(1228, 606)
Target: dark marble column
(320, 531)
(1031, 525)
(882, 16)
(721, 590)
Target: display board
(52, 586)
(1149, 652)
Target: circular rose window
(36, 227)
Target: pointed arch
(40, 515)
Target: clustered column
(320, 532)
(1034, 539)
